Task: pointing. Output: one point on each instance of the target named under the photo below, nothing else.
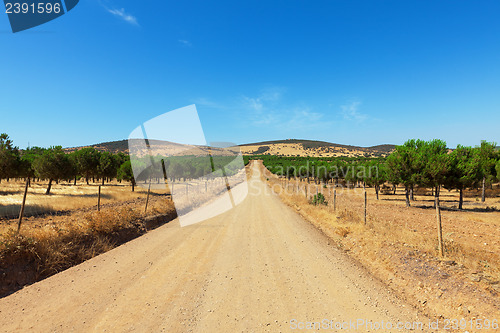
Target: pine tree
(53, 165)
(9, 158)
(107, 167)
(376, 175)
(462, 170)
(487, 154)
(433, 157)
(404, 167)
(125, 173)
(87, 162)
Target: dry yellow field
(64, 196)
(296, 149)
(65, 228)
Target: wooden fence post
(440, 228)
(147, 199)
(334, 199)
(365, 207)
(99, 200)
(21, 213)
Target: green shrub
(319, 199)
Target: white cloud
(254, 104)
(350, 112)
(303, 119)
(270, 110)
(265, 100)
(265, 119)
(208, 103)
(185, 42)
(124, 16)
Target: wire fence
(354, 201)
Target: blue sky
(350, 72)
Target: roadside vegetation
(83, 202)
(395, 235)
(50, 244)
(54, 165)
(399, 244)
(415, 165)
(62, 224)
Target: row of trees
(54, 164)
(431, 164)
(186, 167)
(428, 164)
(333, 169)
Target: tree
(87, 162)
(28, 157)
(290, 172)
(433, 157)
(462, 170)
(53, 164)
(177, 170)
(107, 167)
(121, 158)
(125, 173)
(392, 177)
(355, 174)
(498, 170)
(376, 175)
(487, 154)
(9, 157)
(404, 166)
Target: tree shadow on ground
(452, 209)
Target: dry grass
(399, 244)
(63, 197)
(296, 149)
(465, 232)
(65, 228)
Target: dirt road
(257, 268)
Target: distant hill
(290, 147)
(295, 147)
(158, 147)
(113, 147)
